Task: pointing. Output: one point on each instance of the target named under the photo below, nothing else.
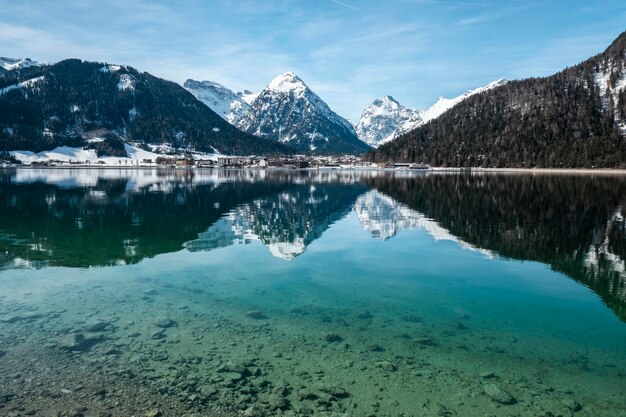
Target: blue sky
(348, 51)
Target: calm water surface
(311, 293)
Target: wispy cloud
(346, 5)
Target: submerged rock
(572, 405)
(235, 368)
(332, 337)
(164, 322)
(5, 397)
(498, 394)
(425, 341)
(256, 315)
(333, 390)
(387, 366)
(75, 342)
(365, 315)
(97, 325)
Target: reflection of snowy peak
(600, 256)
(230, 106)
(382, 217)
(286, 223)
(384, 120)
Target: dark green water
(313, 293)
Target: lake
(314, 293)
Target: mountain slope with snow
(574, 118)
(386, 119)
(288, 111)
(444, 104)
(9, 64)
(229, 105)
(45, 107)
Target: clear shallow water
(315, 293)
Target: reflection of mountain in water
(286, 222)
(383, 217)
(114, 219)
(572, 223)
(80, 218)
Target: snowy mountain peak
(384, 120)
(287, 82)
(287, 110)
(15, 63)
(386, 101)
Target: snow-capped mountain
(15, 63)
(386, 119)
(223, 101)
(288, 111)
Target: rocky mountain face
(575, 118)
(386, 119)
(43, 107)
(223, 101)
(288, 111)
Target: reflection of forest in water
(572, 223)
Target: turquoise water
(317, 293)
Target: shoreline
(600, 171)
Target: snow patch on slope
(223, 101)
(444, 104)
(126, 82)
(383, 217)
(23, 84)
(608, 93)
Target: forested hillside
(575, 118)
(65, 103)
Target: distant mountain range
(286, 111)
(386, 119)
(8, 64)
(77, 103)
(575, 118)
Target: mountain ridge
(60, 105)
(385, 118)
(574, 118)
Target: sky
(349, 52)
